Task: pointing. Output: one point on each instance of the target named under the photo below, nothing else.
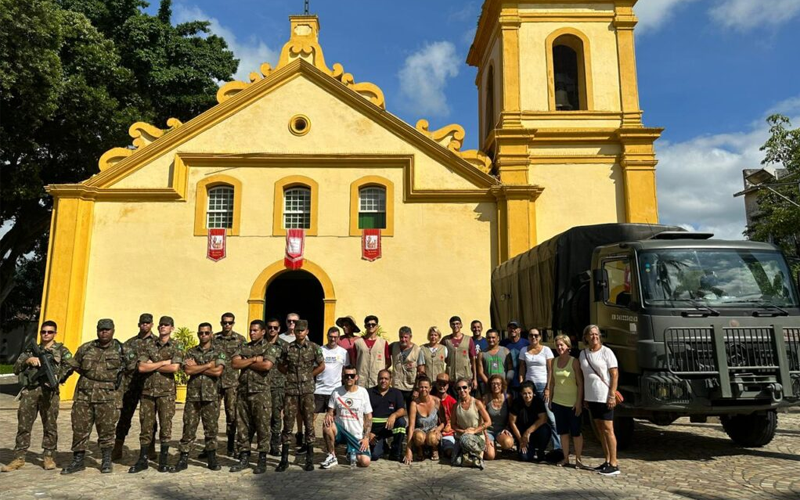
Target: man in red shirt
(447, 440)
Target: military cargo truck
(700, 327)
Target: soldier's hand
(259, 359)
(34, 361)
(191, 362)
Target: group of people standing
(465, 397)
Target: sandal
(580, 466)
(563, 463)
(435, 456)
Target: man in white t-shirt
(348, 421)
(336, 358)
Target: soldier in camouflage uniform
(204, 364)
(38, 398)
(160, 361)
(133, 384)
(301, 361)
(98, 397)
(277, 382)
(230, 342)
(255, 359)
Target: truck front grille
(792, 338)
(750, 348)
(690, 351)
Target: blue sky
(710, 71)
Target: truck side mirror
(600, 280)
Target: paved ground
(683, 461)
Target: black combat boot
(183, 463)
(212, 460)
(140, 464)
(261, 466)
(396, 451)
(299, 438)
(163, 459)
(76, 465)
(105, 465)
(203, 454)
(274, 450)
(309, 466)
(244, 462)
(232, 444)
(284, 463)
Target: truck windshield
(715, 277)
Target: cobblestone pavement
(683, 461)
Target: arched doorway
(257, 300)
(299, 292)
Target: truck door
(618, 323)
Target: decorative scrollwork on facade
(143, 134)
(452, 137)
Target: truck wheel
(623, 430)
(754, 430)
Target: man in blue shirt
(515, 344)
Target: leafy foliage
(186, 339)
(778, 220)
(74, 75)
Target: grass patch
(6, 369)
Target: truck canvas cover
(543, 288)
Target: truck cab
(700, 327)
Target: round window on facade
(299, 125)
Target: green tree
(778, 220)
(74, 75)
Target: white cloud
(424, 77)
(697, 178)
(251, 52)
(745, 15)
(654, 13)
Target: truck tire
(623, 430)
(754, 430)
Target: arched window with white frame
(297, 207)
(372, 207)
(219, 213)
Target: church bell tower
(559, 110)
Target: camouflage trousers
(276, 420)
(228, 397)
(253, 412)
(152, 408)
(34, 402)
(193, 412)
(294, 405)
(86, 415)
(130, 399)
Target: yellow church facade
(306, 145)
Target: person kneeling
(348, 422)
(528, 422)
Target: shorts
(352, 442)
(321, 403)
(566, 420)
(600, 411)
(447, 443)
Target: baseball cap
(105, 324)
(166, 320)
(145, 318)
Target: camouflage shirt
(30, 376)
(300, 361)
(138, 346)
(277, 380)
(250, 380)
(202, 387)
(229, 344)
(158, 384)
(99, 368)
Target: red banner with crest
(295, 247)
(217, 243)
(371, 244)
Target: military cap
(166, 320)
(105, 324)
(145, 318)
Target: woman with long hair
(567, 399)
(424, 427)
(497, 403)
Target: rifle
(46, 366)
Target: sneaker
(610, 470)
(459, 461)
(479, 463)
(601, 467)
(330, 461)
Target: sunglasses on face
(48, 332)
(226, 322)
(204, 333)
(462, 388)
(349, 375)
(291, 321)
(370, 325)
(534, 335)
(272, 327)
(163, 324)
(442, 383)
